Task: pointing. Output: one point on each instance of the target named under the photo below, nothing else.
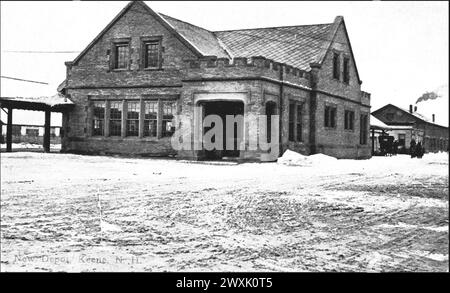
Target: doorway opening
(222, 109)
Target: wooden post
(47, 131)
(373, 141)
(9, 131)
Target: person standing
(412, 148)
(420, 150)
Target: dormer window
(151, 52)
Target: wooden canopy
(56, 103)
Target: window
(270, 110)
(157, 118)
(346, 70)
(363, 129)
(401, 139)
(330, 116)
(52, 132)
(151, 57)
(150, 118)
(349, 120)
(295, 121)
(291, 121)
(299, 122)
(98, 123)
(16, 130)
(168, 111)
(120, 55)
(34, 132)
(336, 69)
(133, 109)
(115, 118)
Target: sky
(401, 48)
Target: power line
(41, 52)
(20, 79)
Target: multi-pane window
(121, 55)
(150, 118)
(346, 70)
(168, 111)
(151, 56)
(133, 110)
(330, 116)
(115, 118)
(98, 123)
(299, 122)
(336, 67)
(295, 121)
(291, 121)
(349, 120)
(363, 128)
(157, 118)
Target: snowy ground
(62, 212)
(23, 146)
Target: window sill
(120, 70)
(152, 69)
(130, 138)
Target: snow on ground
(22, 146)
(63, 212)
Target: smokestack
(415, 108)
(432, 118)
(410, 108)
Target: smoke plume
(428, 96)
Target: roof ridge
(165, 15)
(273, 27)
(221, 44)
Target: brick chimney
(433, 117)
(410, 108)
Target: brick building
(406, 125)
(145, 67)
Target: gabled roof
(297, 46)
(414, 115)
(166, 24)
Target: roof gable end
(166, 24)
(339, 20)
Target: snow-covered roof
(55, 100)
(377, 123)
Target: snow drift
(292, 158)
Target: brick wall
(183, 75)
